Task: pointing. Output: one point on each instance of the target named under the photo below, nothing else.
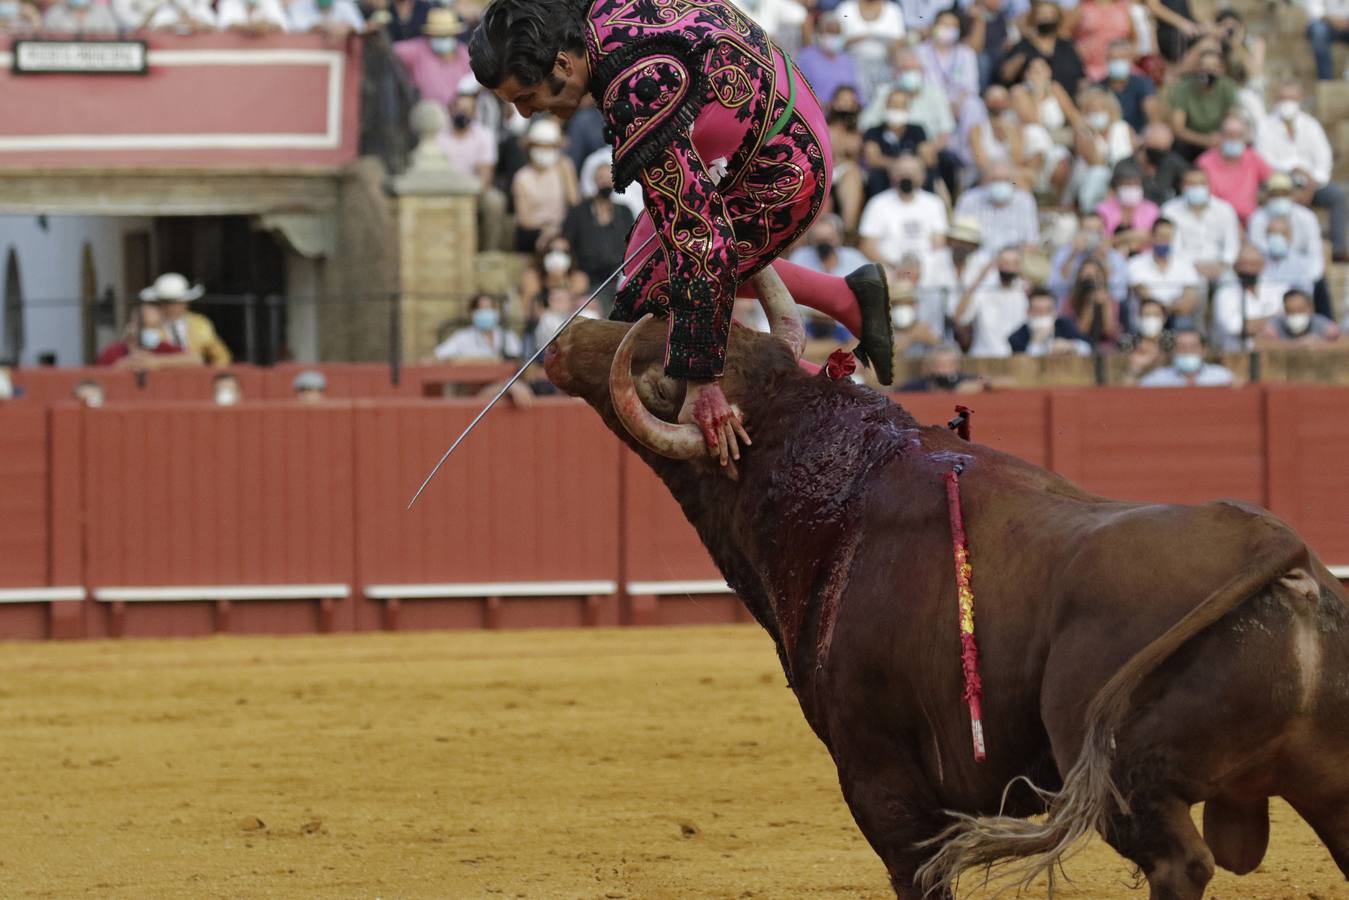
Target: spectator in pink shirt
(435, 62)
(472, 149)
(1127, 214)
(1235, 170)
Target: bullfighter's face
(559, 94)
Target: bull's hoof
(876, 346)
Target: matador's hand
(721, 423)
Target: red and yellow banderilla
(969, 649)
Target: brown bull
(1136, 658)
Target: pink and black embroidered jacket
(690, 91)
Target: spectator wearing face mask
(1242, 306)
(1043, 41)
(1096, 25)
(1298, 325)
(930, 109)
(824, 63)
(1187, 368)
(1149, 324)
(1094, 306)
(941, 373)
(949, 62)
(597, 230)
(483, 340)
(1235, 170)
(1126, 214)
(1103, 140)
(254, 18)
(1135, 93)
(1047, 334)
(559, 304)
(884, 144)
(1006, 214)
(1089, 243)
(472, 150)
(147, 343)
(554, 269)
(1289, 235)
(905, 218)
(1158, 275)
(88, 394)
(1199, 103)
(78, 17)
(946, 272)
(543, 190)
(1208, 235)
(872, 29)
(1003, 138)
(1161, 167)
(913, 336)
(824, 250)
(333, 18)
(436, 62)
(993, 32)
(845, 137)
(1295, 143)
(1040, 100)
(993, 307)
(225, 390)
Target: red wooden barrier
(1160, 445)
(188, 494)
(532, 495)
(1307, 465)
(1015, 422)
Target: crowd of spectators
(1039, 178)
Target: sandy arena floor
(640, 763)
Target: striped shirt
(1015, 225)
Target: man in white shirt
(904, 219)
(483, 339)
(1261, 299)
(1187, 368)
(993, 306)
(1208, 234)
(1295, 143)
(1327, 22)
(1157, 274)
(336, 18)
(1297, 245)
(252, 17)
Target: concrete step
(1332, 102)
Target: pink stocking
(828, 294)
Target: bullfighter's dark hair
(522, 38)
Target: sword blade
(529, 362)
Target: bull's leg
(1160, 837)
(1331, 824)
(894, 808)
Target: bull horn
(658, 436)
(778, 305)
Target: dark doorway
(244, 272)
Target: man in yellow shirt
(191, 331)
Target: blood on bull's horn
(686, 441)
(657, 435)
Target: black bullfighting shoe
(876, 346)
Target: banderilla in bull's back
(1136, 659)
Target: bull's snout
(555, 363)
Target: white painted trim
(331, 138)
(665, 588)
(1339, 571)
(222, 592)
(491, 589)
(40, 594)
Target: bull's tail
(1016, 851)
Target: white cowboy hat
(442, 22)
(545, 132)
(171, 288)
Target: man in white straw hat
(190, 330)
(435, 62)
(544, 189)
